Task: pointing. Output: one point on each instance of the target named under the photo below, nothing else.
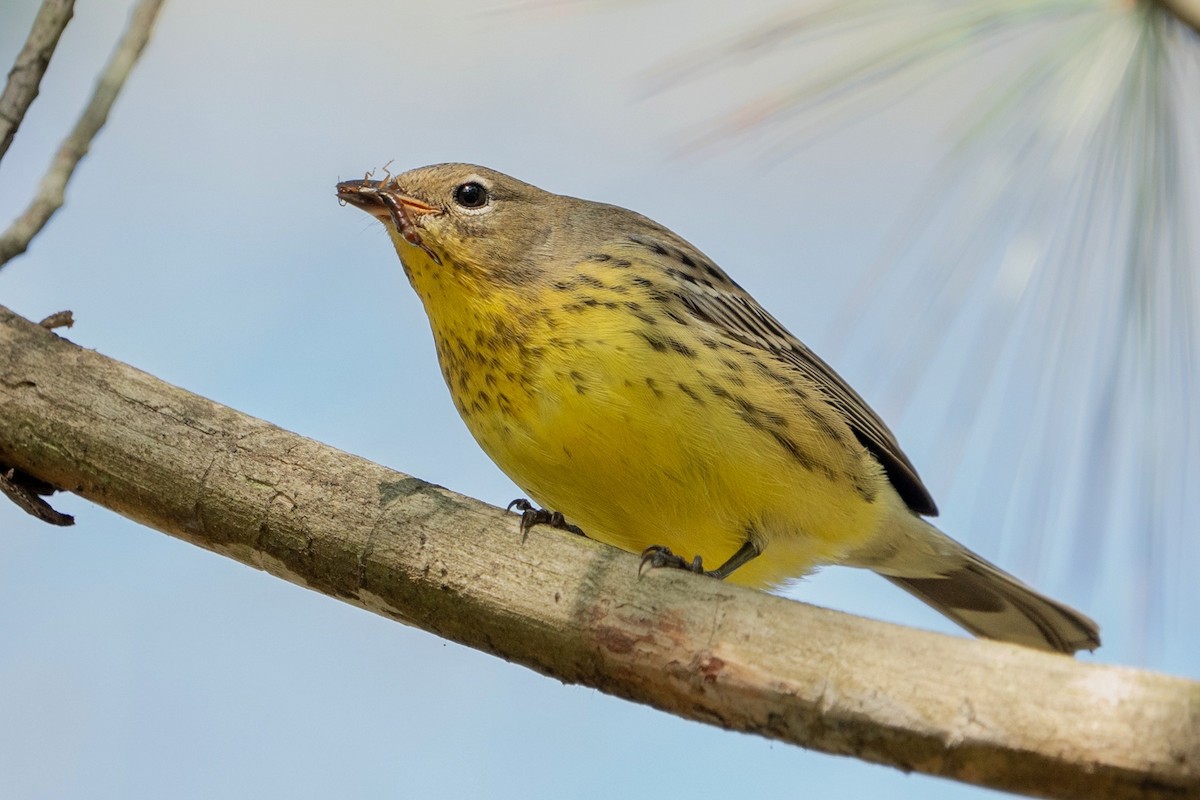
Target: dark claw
(520, 504)
(656, 556)
(531, 515)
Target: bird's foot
(532, 515)
(656, 556)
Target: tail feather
(990, 603)
(971, 591)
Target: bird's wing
(710, 295)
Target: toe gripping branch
(658, 556)
(653, 556)
(532, 515)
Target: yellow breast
(643, 429)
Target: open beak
(390, 207)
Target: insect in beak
(389, 206)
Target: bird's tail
(972, 591)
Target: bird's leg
(531, 515)
(659, 556)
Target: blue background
(201, 242)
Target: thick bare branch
(26, 75)
(987, 713)
(51, 190)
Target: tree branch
(982, 712)
(26, 75)
(50, 194)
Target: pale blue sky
(201, 242)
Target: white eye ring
(473, 197)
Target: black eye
(471, 195)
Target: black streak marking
(683, 276)
(681, 348)
(749, 413)
(793, 450)
(658, 344)
(826, 428)
(649, 244)
(646, 318)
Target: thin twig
(24, 490)
(50, 193)
(26, 75)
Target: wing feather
(711, 296)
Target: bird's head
(464, 222)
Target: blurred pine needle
(1053, 264)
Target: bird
(641, 396)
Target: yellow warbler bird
(620, 377)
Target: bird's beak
(390, 207)
(377, 200)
